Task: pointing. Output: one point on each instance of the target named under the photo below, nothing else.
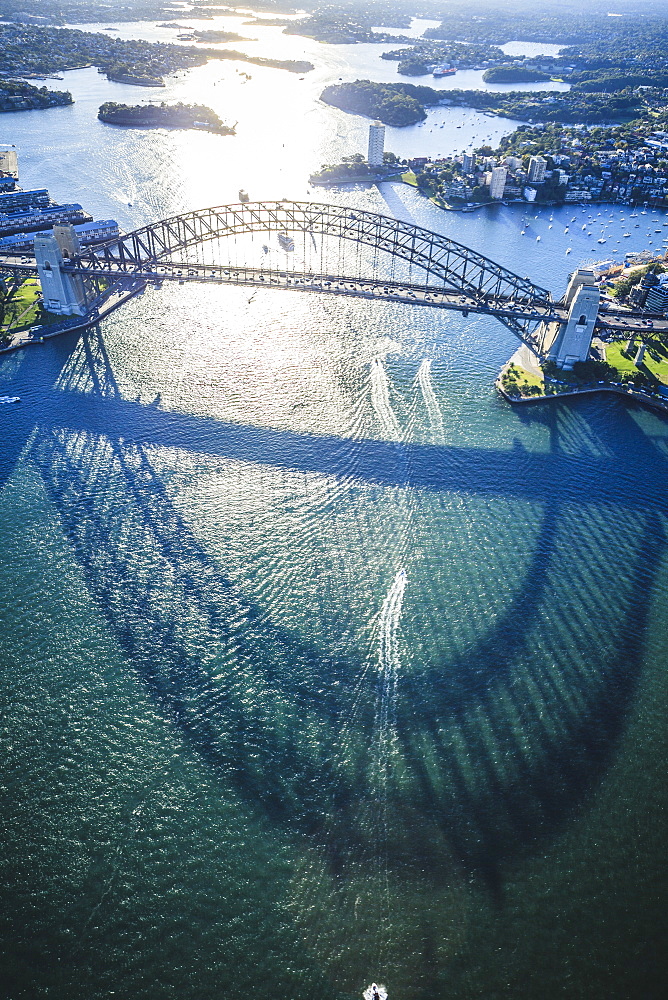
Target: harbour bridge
(321, 248)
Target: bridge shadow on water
(497, 746)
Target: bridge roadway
(456, 277)
(617, 321)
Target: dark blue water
(321, 664)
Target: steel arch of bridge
(455, 277)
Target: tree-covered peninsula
(514, 74)
(29, 51)
(392, 103)
(16, 95)
(404, 103)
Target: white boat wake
(430, 402)
(380, 400)
(388, 652)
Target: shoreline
(29, 338)
(636, 395)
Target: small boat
(565, 230)
(626, 234)
(601, 241)
(550, 226)
(584, 227)
(569, 250)
(538, 239)
(374, 992)
(10, 399)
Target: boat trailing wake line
(434, 414)
(388, 652)
(374, 992)
(380, 400)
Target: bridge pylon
(570, 342)
(63, 293)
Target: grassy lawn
(23, 310)
(518, 378)
(409, 178)
(656, 366)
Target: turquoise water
(321, 664)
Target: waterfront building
(88, 233)
(529, 194)
(537, 168)
(9, 163)
(468, 163)
(512, 162)
(16, 201)
(33, 220)
(376, 144)
(657, 300)
(498, 182)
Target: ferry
(443, 71)
(287, 243)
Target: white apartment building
(537, 168)
(376, 144)
(498, 182)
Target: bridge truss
(319, 248)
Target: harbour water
(321, 665)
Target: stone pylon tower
(572, 339)
(63, 293)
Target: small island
(184, 116)
(215, 37)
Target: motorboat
(374, 992)
(10, 399)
